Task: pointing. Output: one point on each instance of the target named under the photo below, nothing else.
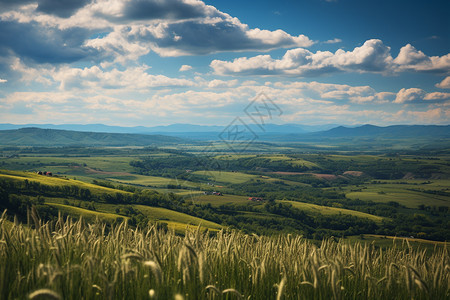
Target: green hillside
(54, 137)
(327, 210)
(56, 181)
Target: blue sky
(150, 62)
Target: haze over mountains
(33, 136)
(103, 135)
(174, 128)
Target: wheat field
(70, 259)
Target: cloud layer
(118, 61)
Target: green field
(107, 212)
(387, 242)
(170, 216)
(221, 200)
(296, 162)
(225, 177)
(56, 181)
(292, 161)
(409, 193)
(71, 163)
(326, 210)
(89, 215)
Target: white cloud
(91, 99)
(408, 95)
(437, 96)
(216, 83)
(125, 30)
(333, 41)
(3, 80)
(412, 59)
(117, 47)
(278, 37)
(133, 78)
(431, 116)
(415, 95)
(373, 56)
(444, 84)
(184, 68)
(30, 74)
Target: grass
(221, 200)
(154, 181)
(105, 163)
(387, 242)
(71, 260)
(296, 162)
(226, 177)
(406, 192)
(327, 210)
(107, 212)
(222, 177)
(163, 214)
(55, 181)
(85, 213)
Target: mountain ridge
(32, 136)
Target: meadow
(410, 193)
(327, 210)
(303, 193)
(68, 259)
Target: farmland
(308, 194)
(410, 193)
(204, 212)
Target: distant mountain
(179, 133)
(54, 137)
(396, 131)
(182, 129)
(368, 132)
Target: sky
(161, 62)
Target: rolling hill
(53, 137)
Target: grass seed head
(44, 294)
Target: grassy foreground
(72, 260)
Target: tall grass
(72, 260)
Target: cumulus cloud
(412, 59)
(216, 83)
(437, 96)
(3, 80)
(444, 84)
(134, 78)
(70, 30)
(184, 68)
(211, 35)
(372, 56)
(116, 47)
(416, 95)
(408, 95)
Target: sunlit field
(71, 260)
